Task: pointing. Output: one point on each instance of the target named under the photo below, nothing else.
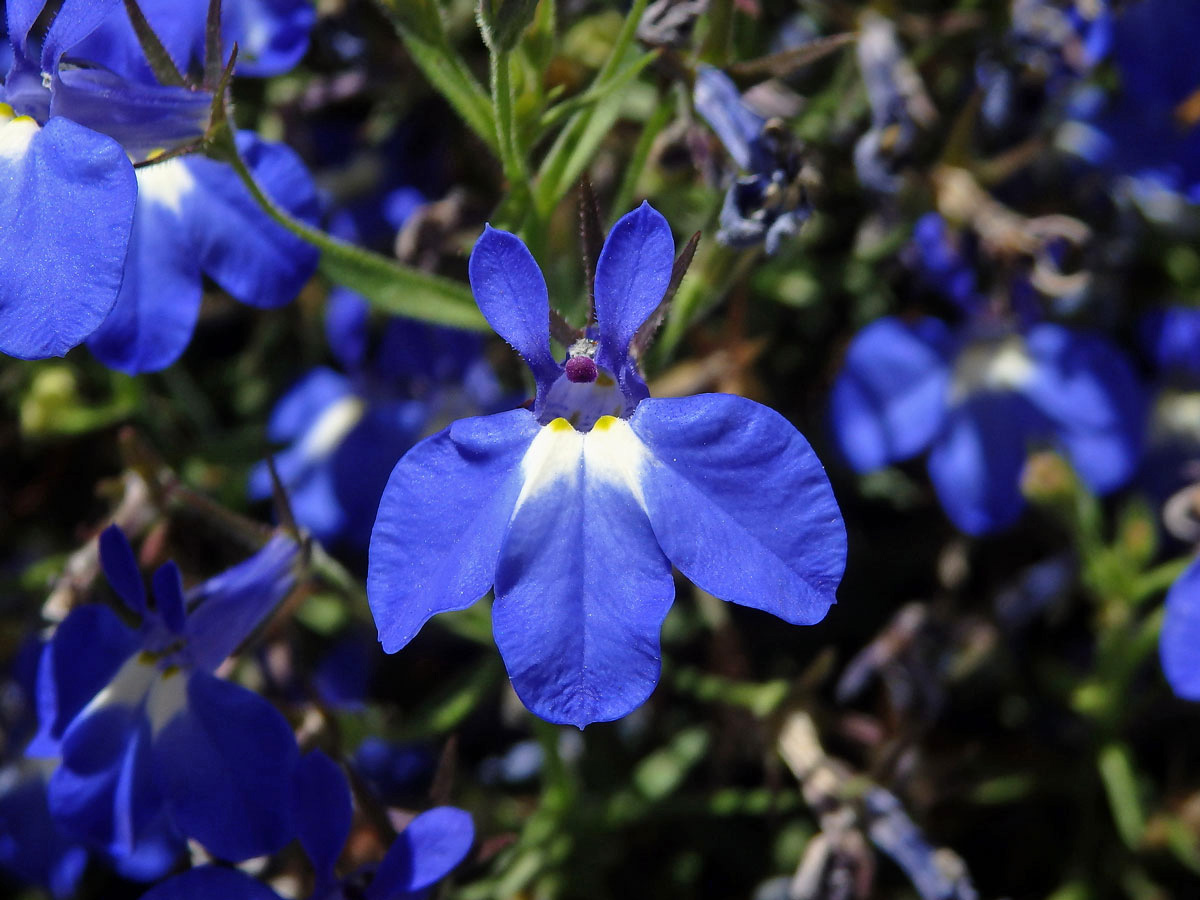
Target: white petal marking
(559, 456)
(166, 183)
(15, 137)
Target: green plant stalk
(641, 154)
(512, 159)
(386, 284)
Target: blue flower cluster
(989, 333)
(101, 242)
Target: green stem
(385, 283)
(641, 153)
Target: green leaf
(661, 773)
(397, 289)
(577, 143)
(420, 26)
(503, 21)
(1120, 784)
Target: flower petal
(86, 652)
(168, 595)
(121, 569)
(104, 791)
(226, 762)
(976, 463)
(511, 293)
(741, 505)
(210, 883)
(1086, 387)
(441, 521)
(239, 246)
(32, 846)
(1179, 643)
(717, 99)
(66, 207)
(159, 301)
(228, 606)
(889, 401)
(424, 853)
(76, 19)
(582, 587)
(632, 275)
(324, 811)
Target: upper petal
(441, 521)
(717, 99)
(582, 587)
(226, 762)
(632, 275)
(76, 19)
(511, 293)
(66, 208)
(741, 504)
(121, 569)
(889, 400)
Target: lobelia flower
(1148, 129)
(576, 509)
(424, 853)
(899, 106)
(1047, 49)
(271, 35)
(978, 397)
(147, 737)
(768, 202)
(346, 431)
(93, 248)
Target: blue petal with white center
(575, 511)
(889, 401)
(582, 586)
(66, 209)
(195, 216)
(151, 743)
(1179, 643)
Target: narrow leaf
(212, 45)
(591, 239)
(787, 62)
(645, 334)
(161, 64)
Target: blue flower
(1149, 129)
(768, 202)
(93, 249)
(1047, 49)
(978, 397)
(147, 736)
(424, 853)
(899, 107)
(1179, 642)
(1170, 337)
(271, 35)
(576, 509)
(346, 431)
